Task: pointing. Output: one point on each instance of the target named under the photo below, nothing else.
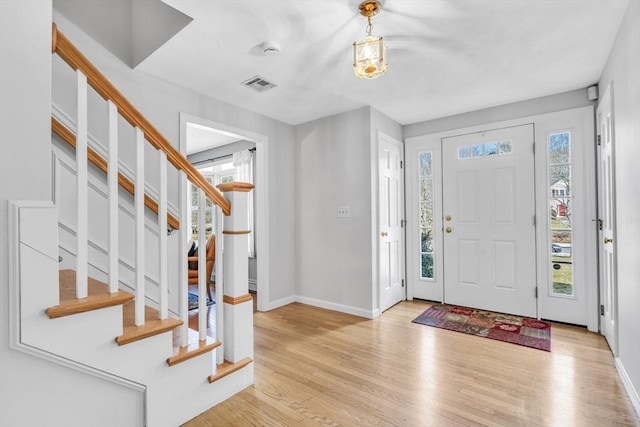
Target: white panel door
(489, 230)
(606, 214)
(391, 218)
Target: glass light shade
(369, 57)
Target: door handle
(385, 234)
(607, 240)
(448, 229)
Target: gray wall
(623, 73)
(162, 103)
(336, 165)
(532, 107)
(333, 168)
(31, 390)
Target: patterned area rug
(193, 301)
(502, 327)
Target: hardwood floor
(315, 367)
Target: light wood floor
(315, 367)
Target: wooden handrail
(76, 60)
(95, 158)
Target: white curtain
(243, 172)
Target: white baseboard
(281, 303)
(348, 309)
(356, 311)
(628, 385)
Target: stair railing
(88, 75)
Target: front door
(391, 221)
(489, 212)
(606, 216)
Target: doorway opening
(224, 153)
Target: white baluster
(185, 235)
(202, 266)
(139, 222)
(112, 178)
(81, 189)
(219, 265)
(162, 233)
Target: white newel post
(238, 303)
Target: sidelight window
(560, 211)
(425, 179)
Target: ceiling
(201, 138)
(445, 57)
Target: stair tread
(194, 348)
(226, 368)
(152, 326)
(98, 296)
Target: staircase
(121, 329)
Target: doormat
(502, 327)
(193, 301)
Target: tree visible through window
(426, 214)
(560, 209)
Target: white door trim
(418, 287)
(579, 122)
(541, 209)
(262, 195)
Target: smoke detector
(270, 48)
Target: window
(484, 150)
(214, 174)
(560, 204)
(194, 211)
(238, 167)
(425, 179)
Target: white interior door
(489, 211)
(391, 221)
(606, 216)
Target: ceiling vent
(258, 83)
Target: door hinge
(403, 283)
(401, 164)
(601, 310)
(534, 148)
(599, 224)
(402, 223)
(536, 292)
(534, 220)
(599, 140)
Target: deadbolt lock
(448, 217)
(448, 229)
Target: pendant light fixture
(369, 53)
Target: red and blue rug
(502, 327)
